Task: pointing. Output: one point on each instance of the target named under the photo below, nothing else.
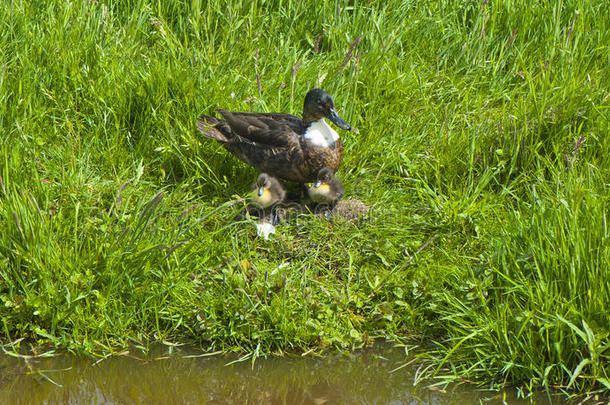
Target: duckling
(327, 189)
(267, 192)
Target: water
(159, 378)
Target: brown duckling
(267, 193)
(327, 189)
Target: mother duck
(282, 145)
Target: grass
(482, 146)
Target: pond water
(366, 377)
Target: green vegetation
(482, 147)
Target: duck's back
(272, 129)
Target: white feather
(320, 133)
(265, 229)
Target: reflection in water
(363, 378)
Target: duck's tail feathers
(213, 128)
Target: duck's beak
(338, 121)
(317, 184)
(260, 191)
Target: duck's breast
(322, 147)
(320, 134)
(321, 193)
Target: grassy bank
(482, 146)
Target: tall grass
(481, 146)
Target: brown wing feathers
(214, 128)
(259, 128)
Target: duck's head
(263, 195)
(319, 104)
(325, 175)
(263, 182)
